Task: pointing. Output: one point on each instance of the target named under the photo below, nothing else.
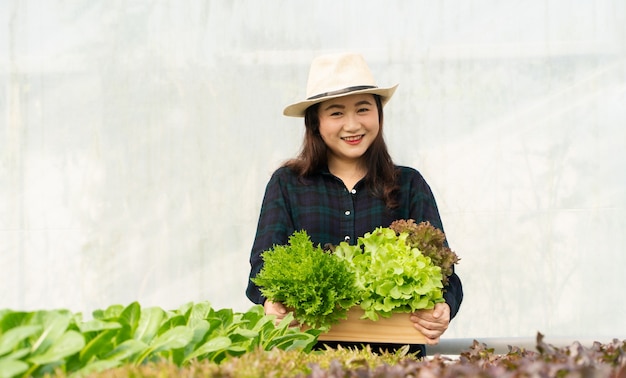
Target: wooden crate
(396, 329)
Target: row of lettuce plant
(40, 342)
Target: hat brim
(299, 108)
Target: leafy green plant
(41, 342)
(35, 343)
(318, 287)
(391, 275)
(430, 241)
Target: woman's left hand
(432, 323)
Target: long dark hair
(381, 171)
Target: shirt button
(353, 191)
(347, 238)
(347, 212)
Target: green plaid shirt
(330, 213)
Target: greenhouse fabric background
(137, 137)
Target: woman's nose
(352, 123)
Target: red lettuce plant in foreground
(598, 361)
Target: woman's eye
(335, 114)
(362, 110)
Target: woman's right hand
(278, 309)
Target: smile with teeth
(352, 138)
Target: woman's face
(348, 126)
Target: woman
(344, 182)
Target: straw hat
(338, 75)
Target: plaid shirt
(330, 213)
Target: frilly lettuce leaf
(391, 275)
(318, 287)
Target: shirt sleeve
(274, 228)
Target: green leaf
(101, 344)
(17, 354)
(95, 367)
(184, 309)
(199, 311)
(126, 350)
(54, 325)
(96, 325)
(245, 333)
(225, 315)
(112, 312)
(130, 318)
(11, 368)
(11, 319)
(200, 327)
(148, 325)
(260, 322)
(213, 345)
(174, 321)
(177, 337)
(69, 343)
(11, 338)
(290, 341)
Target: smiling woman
(344, 184)
(348, 126)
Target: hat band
(341, 91)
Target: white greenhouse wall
(136, 139)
